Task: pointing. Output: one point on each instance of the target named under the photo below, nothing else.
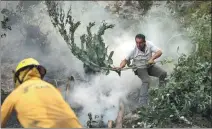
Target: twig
(68, 86)
(55, 82)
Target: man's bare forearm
(123, 63)
(156, 55)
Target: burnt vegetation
(186, 99)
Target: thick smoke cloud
(158, 26)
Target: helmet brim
(40, 68)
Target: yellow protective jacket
(38, 104)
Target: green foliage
(166, 61)
(187, 93)
(186, 99)
(200, 31)
(195, 18)
(93, 51)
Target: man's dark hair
(140, 36)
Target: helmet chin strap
(17, 76)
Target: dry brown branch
(110, 124)
(120, 116)
(68, 86)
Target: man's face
(140, 43)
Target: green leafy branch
(93, 51)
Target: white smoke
(158, 26)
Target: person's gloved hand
(151, 61)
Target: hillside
(181, 29)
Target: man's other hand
(151, 61)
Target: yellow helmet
(25, 63)
(29, 62)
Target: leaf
(105, 51)
(110, 61)
(108, 71)
(119, 72)
(111, 54)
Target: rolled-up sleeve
(153, 47)
(129, 55)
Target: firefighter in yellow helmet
(38, 104)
